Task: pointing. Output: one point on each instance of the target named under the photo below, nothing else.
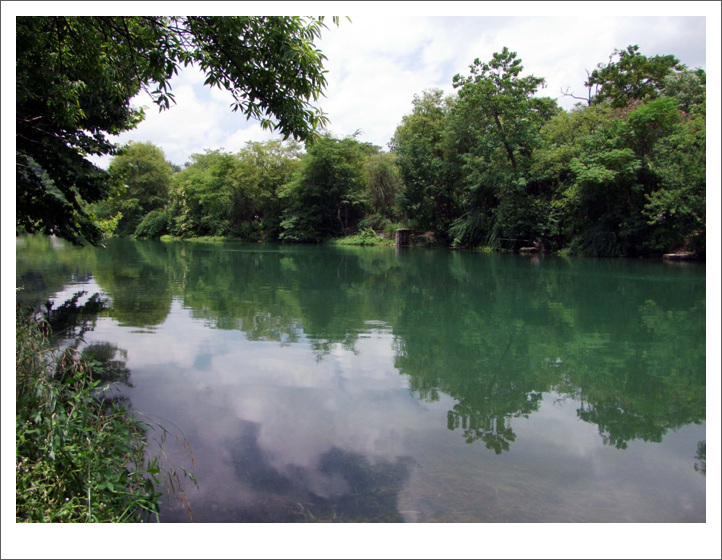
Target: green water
(377, 384)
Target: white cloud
(376, 64)
(253, 133)
(375, 68)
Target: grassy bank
(203, 239)
(365, 237)
(80, 457)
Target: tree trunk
(509, 151)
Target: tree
(650, 122)
(606, 196)
(495, 127)
(76, 77)
(264, 167)
(688, 86)
(496, 91)
(564, 139)
(224, 194)
(326, 196)
(202, 195)
(144, 175)
(427, 197)
(677, 209)
(632, 77)
(628, 181)
(384, 182)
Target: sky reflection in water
(314, 384)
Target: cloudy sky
(391, 51)
(386, 54)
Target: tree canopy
(500, 166)
(76, 77)
(143, 176)
(493, 164)
(326, 197)
(632, 76)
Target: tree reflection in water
(488, 335)
(700, 464)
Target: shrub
(153, 226)
(79, 456)
(364, 237)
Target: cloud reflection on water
(386, 366)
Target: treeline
(271, 191)
(621, 174)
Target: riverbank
(366, 238)
(80, 456)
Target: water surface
(377, 384)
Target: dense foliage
(496, 165)
(327, 195)
(633, 76)
(68, 440)
(492, 165)
(81, 455)
(76, 77)
(143, 177)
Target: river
(322, 383)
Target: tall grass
(365, 237)
(80, 457)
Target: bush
(79, 456)
(363, 237)
(248, 231)
(374, 221)
(153, 226)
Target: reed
(80, 457)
